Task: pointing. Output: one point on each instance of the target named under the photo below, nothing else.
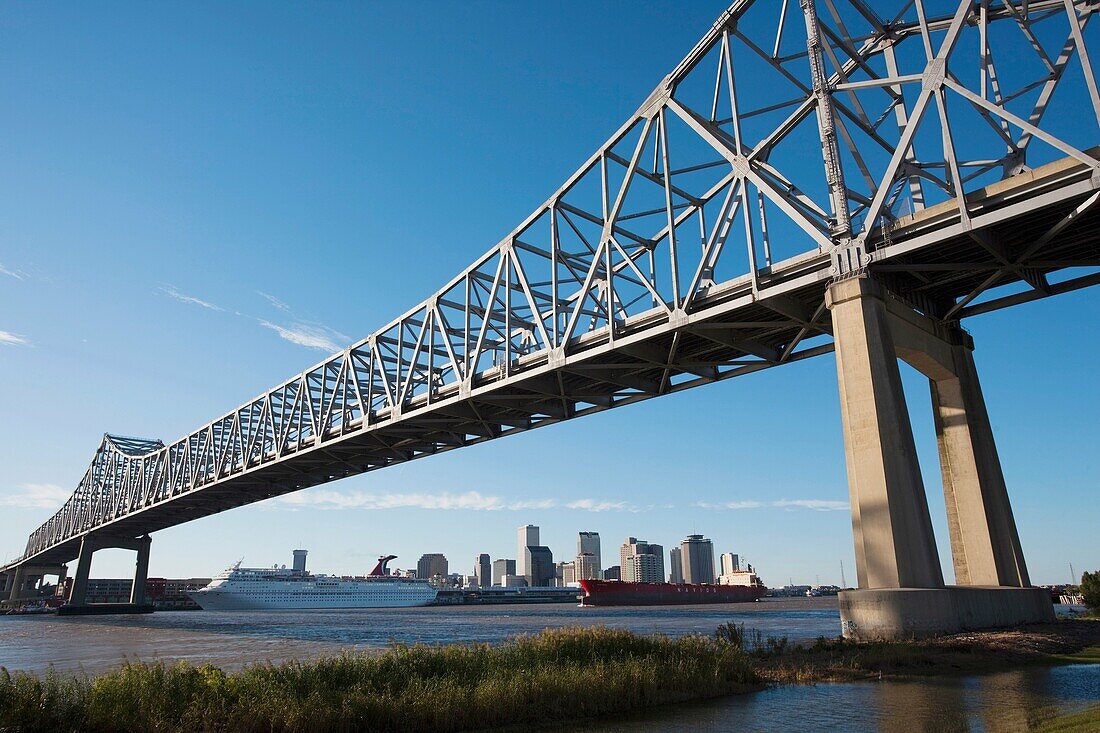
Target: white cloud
(322, 498)
(171, 292)
(592, 505)
(730, 505)
(310, 335)
(275, 302)
(7, 338)
(821, 505)
(17, 274)
(36, 496)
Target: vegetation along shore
(556, 675)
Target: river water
(1004, 701)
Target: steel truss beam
(791, 146)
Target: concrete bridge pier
(23, 582)
(901, 588)
(77, 602)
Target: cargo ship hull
(620, 593)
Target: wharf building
(539, 562)
(501, 568)
(431, 565)
(483, 571)
(652, 570)
(164, 594)
(528, 536)
(588, 543)
(697, 559)
(675, 566)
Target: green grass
(557, 674)
(1086, 721)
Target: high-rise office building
(634, 546)
(540, 565)
(430, 565)
(730, 563)
(587, 566)
(588, 543)
(697, 559)
(613, 573)
(502, 568)
(675, 566)
(528, 537)
(648, 568)
(483, 571)
(566, 572)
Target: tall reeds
(554, 675)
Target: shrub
(1090, 589)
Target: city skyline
(147, 305)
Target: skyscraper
(648, 568)
(675, 566)
(588, 543)
(540, 565)
(528, 537)
(633, 547)
(502, 568)
(730, 563)
(431, 564)
(483, 570)
(587, 566)
(697, 559)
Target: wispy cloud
(7, 338)
(821, 505)
(592, 505)
(310, 335)
(17, 274)
(470, 500)
(36, 496)
(275, 302)
(171, 292)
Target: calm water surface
(233, 638)
(994, 703)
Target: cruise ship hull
(307, 596)
(620, 593)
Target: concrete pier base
(890, 614)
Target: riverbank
(1066, 641)
(554, 676)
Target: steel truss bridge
(943, 147)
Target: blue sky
(199, 200)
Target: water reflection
(995, 703)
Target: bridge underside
(932, 260)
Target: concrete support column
(141, 571)
(985, 545)
(83, 568)
(17, 583)
(894, 543)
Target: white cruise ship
(239, 589)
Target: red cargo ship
(620, 593)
